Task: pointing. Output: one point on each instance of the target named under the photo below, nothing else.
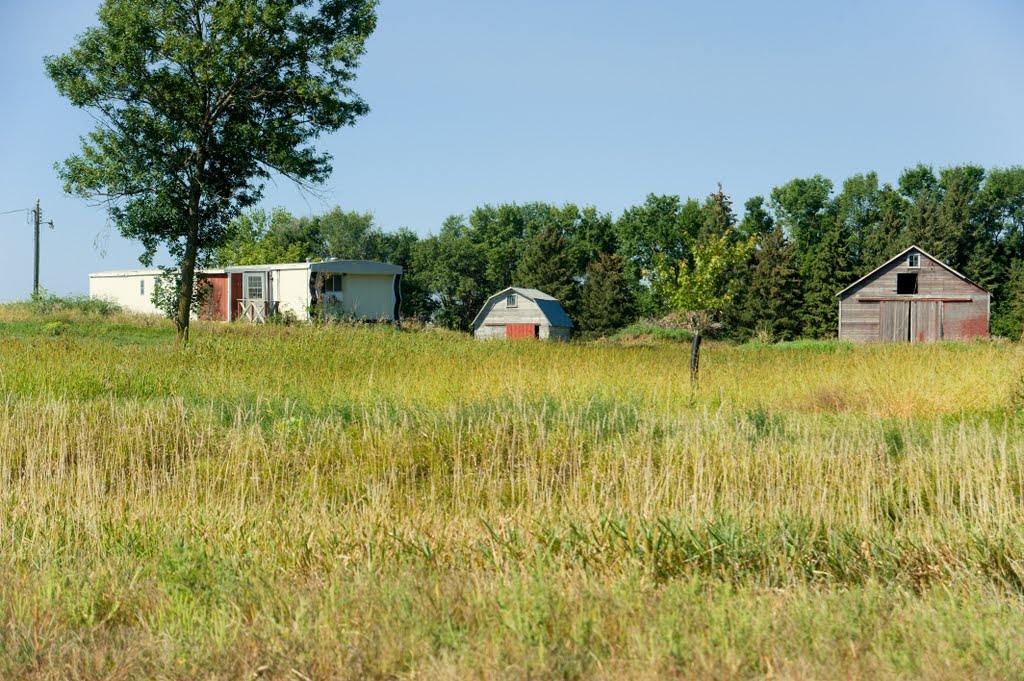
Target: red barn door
(521, 331)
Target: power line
(37, 220)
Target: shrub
(167, 289)
(43, 302)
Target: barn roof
(900, 255)
(549, 306)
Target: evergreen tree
(757, 221)
(717, 218)
(922, 217)
(828, 269)
(772, 300)
(1010, 320)
(889, 236)
(546, 266)
(605, 301)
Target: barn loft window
(142, 287)
(914, 260)
(906, 284)
(512, 300)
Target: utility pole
(37, 222)
(37, 217)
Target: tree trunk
(695, 358)
(187, 273)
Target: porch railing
(257, 310)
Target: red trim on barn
(521, 331)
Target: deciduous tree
(701, 291)
(198, 102)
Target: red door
(216, 306)
(520, 331)
(236, 295)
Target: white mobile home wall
(123, 288)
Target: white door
(254, 296)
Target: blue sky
(595, 102)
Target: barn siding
(491, 331)
(965, 320)
(527, 312)
(859, 318)
(495, 316)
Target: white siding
(291, 289)
(491, 332)
(369, 296)
(123, 289)
(525, 312)
(497, 314)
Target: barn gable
(900, 261)
(913, 297)
(513, 309)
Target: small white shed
(517, 313)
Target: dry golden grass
(350, 503)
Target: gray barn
(914, 298)
(522, 313)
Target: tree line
(788, 254)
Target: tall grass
(352, 503)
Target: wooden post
(695, 358)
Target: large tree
(659, 233)
(770, 306)
(452, 268)
(198, 103)
(546, 266)
(801, 206)
(257, 237)
(605, 301)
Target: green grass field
(337, 502)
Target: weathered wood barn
(340, 288)
(522, 313)
(913, 298)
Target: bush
(286, 318)
(654, 330)
(167, 290)
(44, 302)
